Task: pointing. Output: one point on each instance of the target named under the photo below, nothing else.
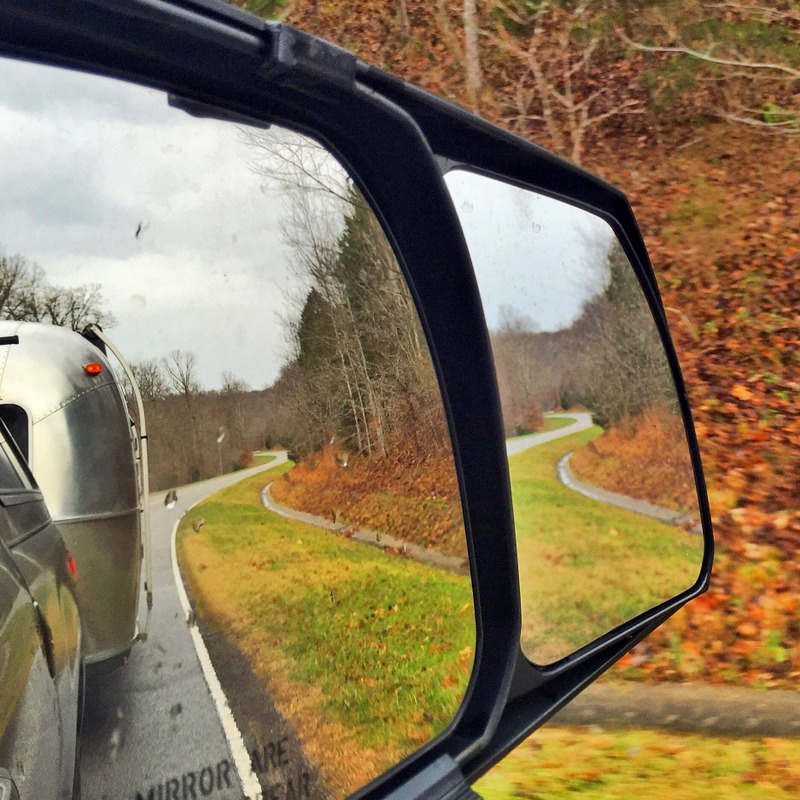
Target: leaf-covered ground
(410, 495)
(721, 220)
(644, 457)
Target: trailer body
(65, 408)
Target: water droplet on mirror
(537, 228)
(138, 302)
(466, 207)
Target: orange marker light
(71, 565)
(93, 369)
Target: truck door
(30, 719)
(36, 557)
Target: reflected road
(583, 421)
(152, 725)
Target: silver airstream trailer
(64, 406)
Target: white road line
(241, 759)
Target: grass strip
(586, 566)
(596, 764)
(346, 637)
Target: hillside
(693, 110)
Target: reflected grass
(367, 650)
(585, 566)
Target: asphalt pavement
(582, 420)
(151, 729)
(686, 707)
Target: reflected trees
(359, 368)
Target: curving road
(151, 729)
(583, 420)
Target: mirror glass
(605, 508)
(312, 617)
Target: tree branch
(728, 62)
(790, 124)
(769, 13)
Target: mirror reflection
(312, 619)
(605, 508)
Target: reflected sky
(535, 259)
(103, 182)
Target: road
(583, 421)
(691, 708)
(152, 725)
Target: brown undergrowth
(644, 457)
(409, 495)
(720, 220)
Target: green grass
(586, 566)
(560, 763)
(378, 649)
(380, 654)
(379, 646)
(262, 459)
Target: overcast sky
(87, 162)
(535, 258)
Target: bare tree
(26, 294)
(72, 308)
(233, 395)
(361, 370)
(621, 369)
(181, 371)
(405, 23)
(748, 70)
(232, 384)
(554, 51)
(520, 372)
(150, 377)
(472, 53)
(20, 282)
(466, 53)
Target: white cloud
(103, 182)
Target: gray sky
(86, 162)
(535, 258)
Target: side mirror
(448, 288)
(605, 510)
